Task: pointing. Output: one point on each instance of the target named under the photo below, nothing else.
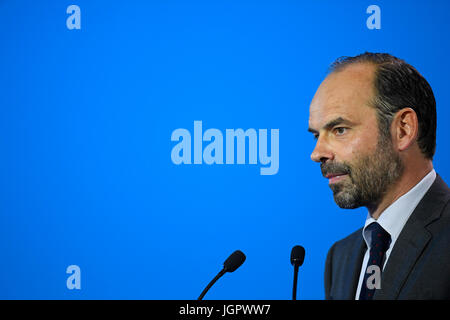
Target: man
(374, 120)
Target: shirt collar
(394, 217)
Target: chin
(347, 205)
(346, 201)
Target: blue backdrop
(86, 117)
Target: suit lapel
(353, 269)
(405, 253)
(358, 256)
(412, 241)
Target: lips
(332, 175)
(335, 177)
(335, 171)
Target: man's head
(371, 116)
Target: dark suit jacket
(419, 264)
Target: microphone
(297, 257)
(234, 261)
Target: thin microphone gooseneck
(234, 261)
(297, 257)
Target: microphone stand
(294, 288)
(217, 277)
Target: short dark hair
(399, 85)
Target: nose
(322, 151)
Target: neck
(411, 177)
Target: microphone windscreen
(234, 261)
(297, 255)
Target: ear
(404, 128)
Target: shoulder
(435, 205)
(438, 200)
(349, 240)
(345, 246)
(440, 189)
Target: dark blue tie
(379, 244)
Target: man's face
(360, 164)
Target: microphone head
(234, 261)
(297, 255)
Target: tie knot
(380, 238)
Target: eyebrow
(332, 124)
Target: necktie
(379, 244)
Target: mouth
(335, 177)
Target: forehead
(345, 94)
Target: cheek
(357, 147)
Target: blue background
(86, 117)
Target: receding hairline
(356, 64)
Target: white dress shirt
(394, 218)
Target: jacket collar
(412, 240)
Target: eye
(316, 136)
(339, 131)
